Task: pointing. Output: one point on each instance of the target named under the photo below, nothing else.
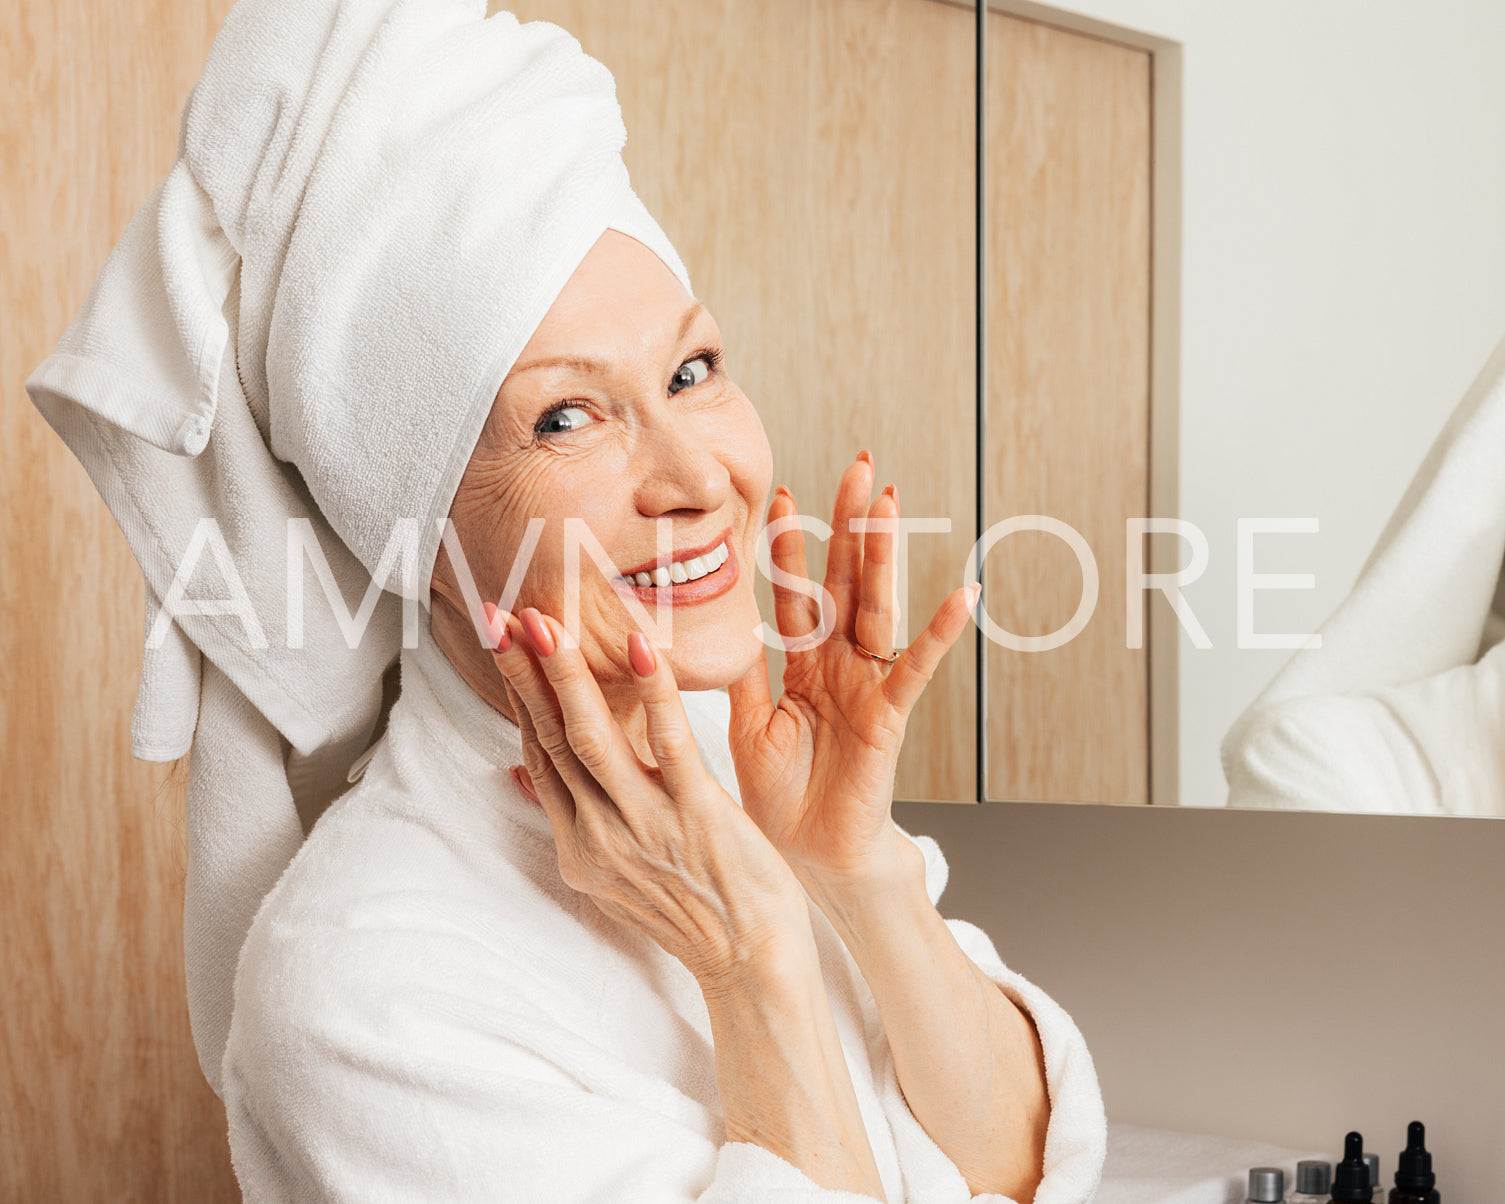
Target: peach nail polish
(497, 635)
(640, 653)
(533, 624)
(523, 783)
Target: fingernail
(973, 591)
(640, 653)
(533, 624)
(523, 782)
(497, 635)
(864, 454)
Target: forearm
(968, 1060)
(782, 1075)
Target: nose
(679, 470)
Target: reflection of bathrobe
(424, 1011)
(1402, 709)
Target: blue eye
(685, 378)
(549, 423)
(709, 359)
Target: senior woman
(586, 927)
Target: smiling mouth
(680, 572)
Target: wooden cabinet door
(1067, 424)
(102, 1095)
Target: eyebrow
(599, 367)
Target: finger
(875, 605)
(553, 795)
(794, 613)
(592, 739)
(669, 736)
(752, 702)
(548, 787)
(910, 674)
(844, 553)
(494, 628)
(546, 745)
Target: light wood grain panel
(103, 1098)
(1067, 423)
(811, 160)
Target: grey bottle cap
(1267, 1185)
(1374, 1170)
(1314, 1177)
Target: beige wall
(1277, 976)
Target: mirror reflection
(1203, 586)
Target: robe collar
(493, 736)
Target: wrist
(889, 894)
(895, 864)
(782, 962)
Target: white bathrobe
(424, 1011)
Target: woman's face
(617, 413)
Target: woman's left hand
(816, 769)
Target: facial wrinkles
(696, 449)
(504, 489)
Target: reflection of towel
(1403, 707)
(375, 204)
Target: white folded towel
(374, 205)
(1402, 708)
(1161, 1166)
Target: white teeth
(683, 570)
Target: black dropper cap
(1415, 1171)
(1351, 1177)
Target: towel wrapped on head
(299, 337)
(1402, 708)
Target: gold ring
(887, 660)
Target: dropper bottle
(1351, 1176)
(1414, 1181)
(1314, 1182)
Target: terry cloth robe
(425, 1012)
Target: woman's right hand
(663, 849)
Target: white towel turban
(374, 205)
(1399, 709)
